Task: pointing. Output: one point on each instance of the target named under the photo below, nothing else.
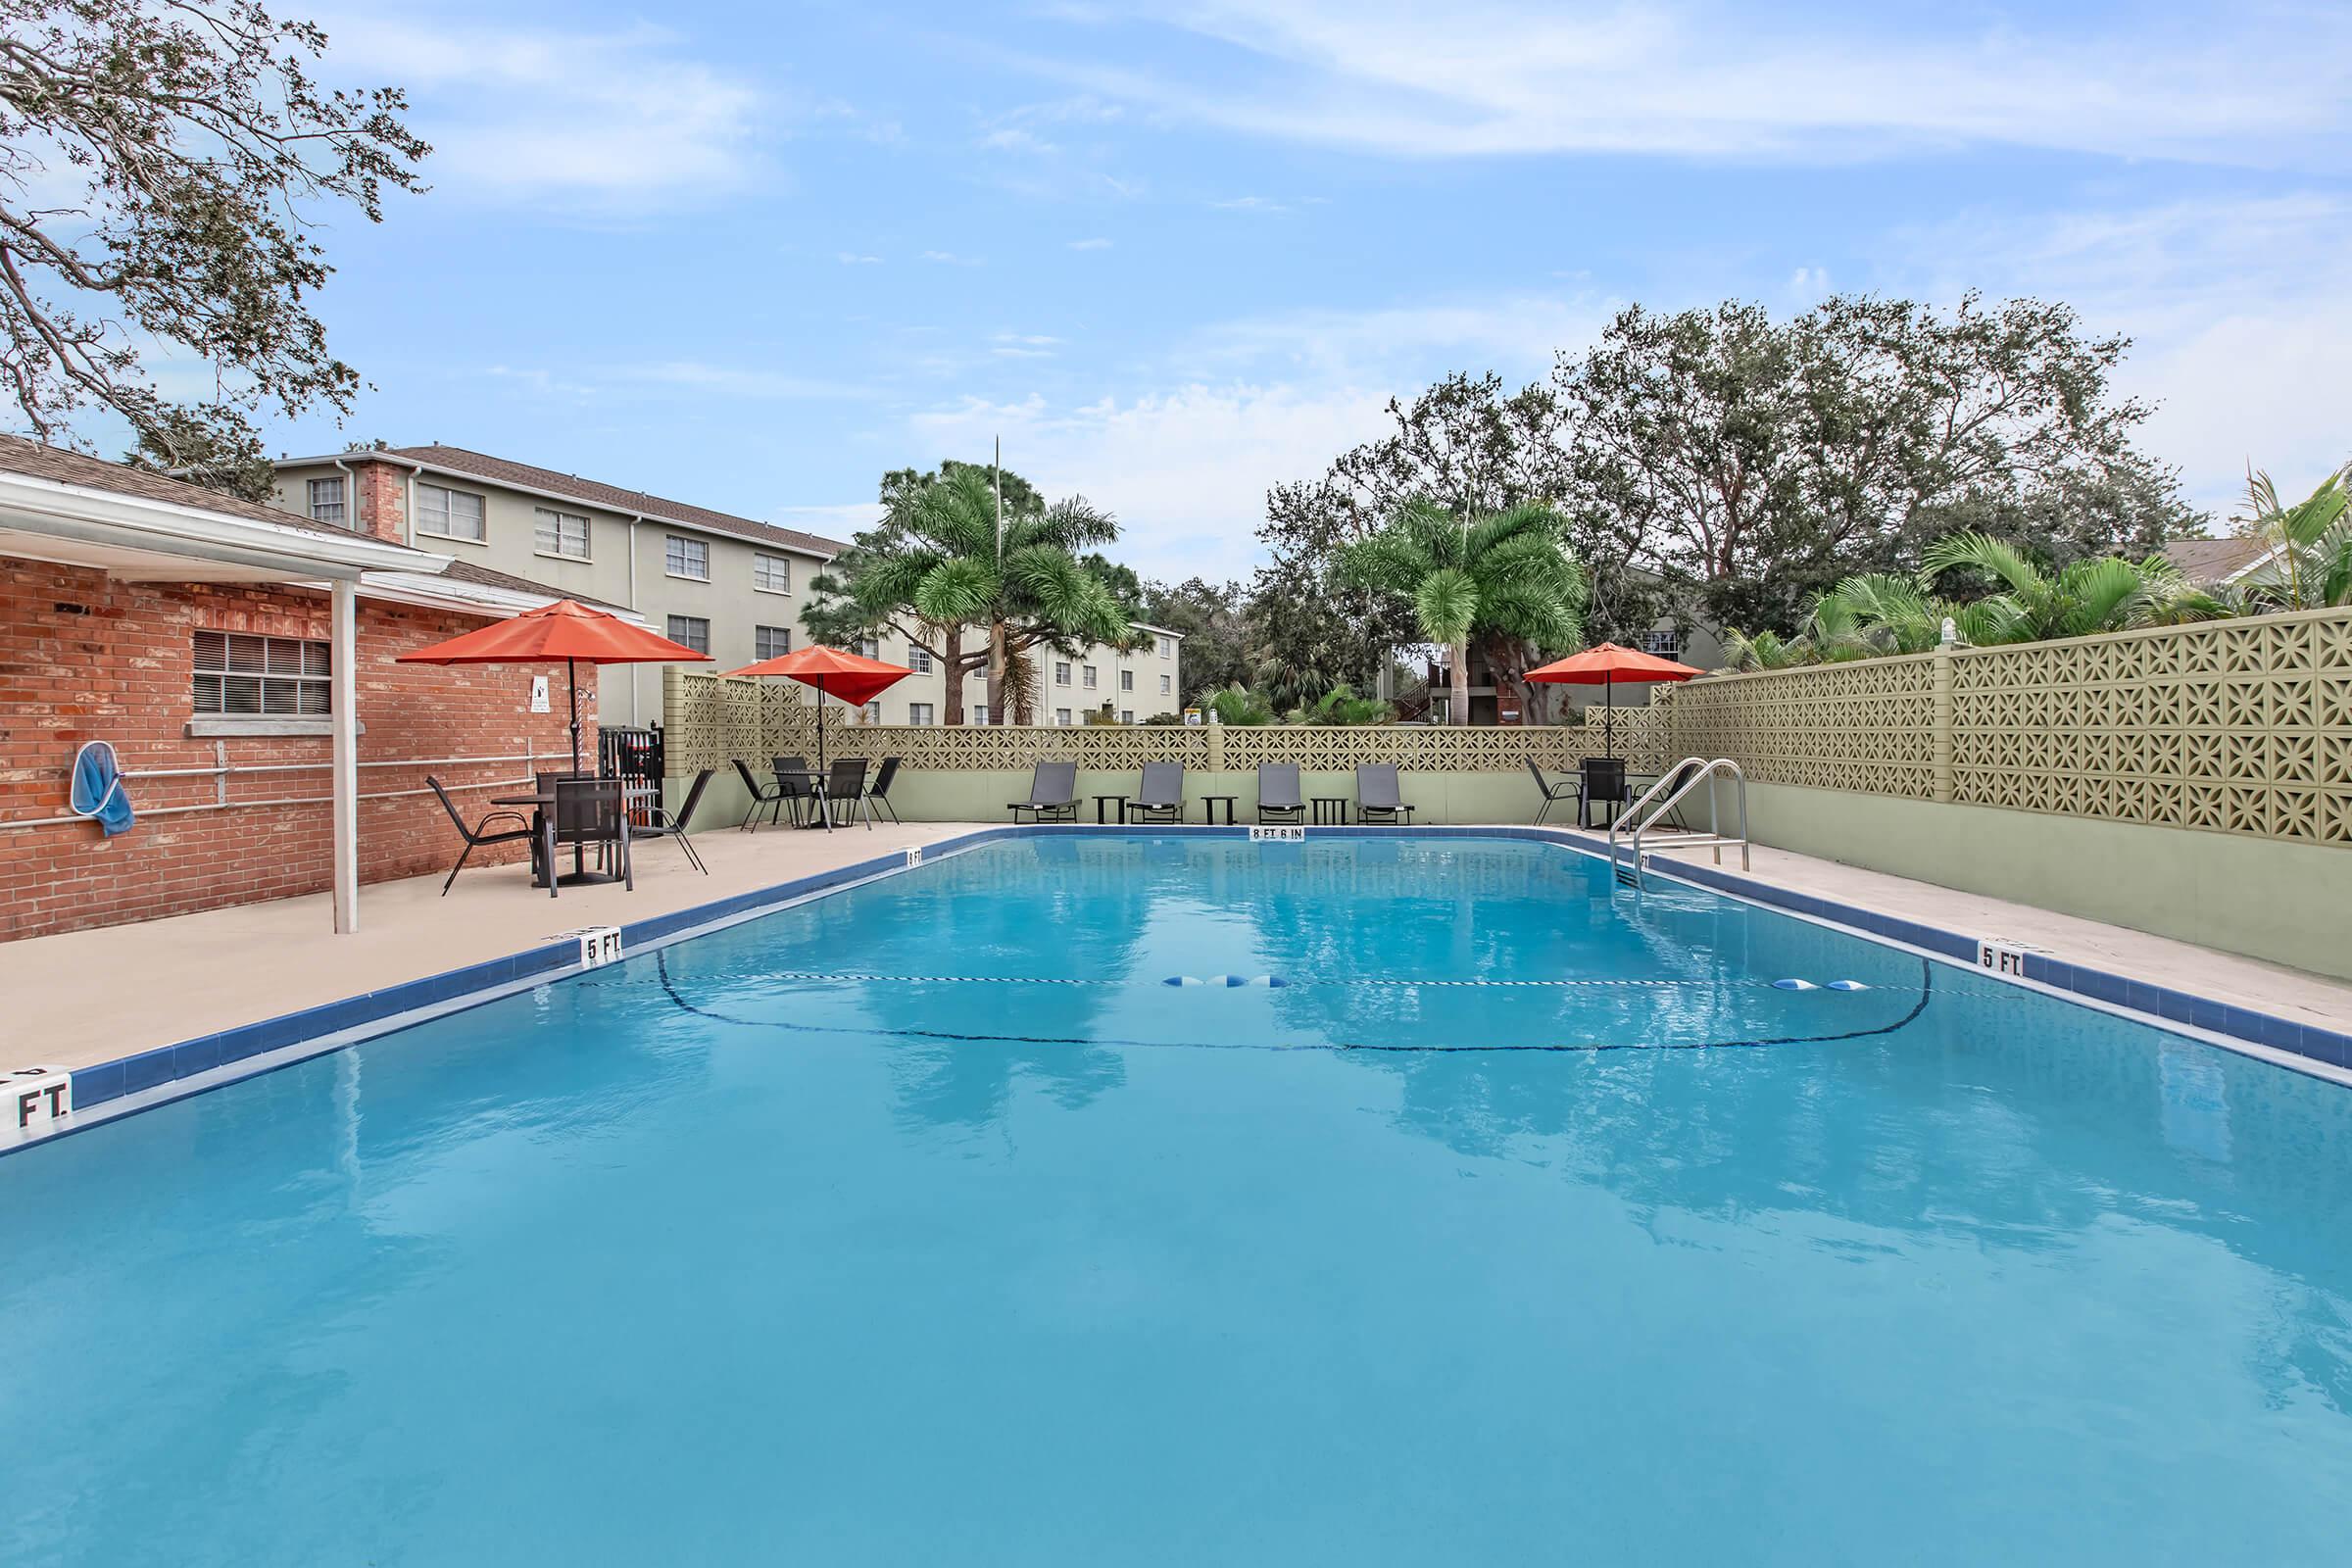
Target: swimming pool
(927, 1222)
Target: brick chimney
(381, 497)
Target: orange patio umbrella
(1604, 666)
(565, 630)
(852, 678)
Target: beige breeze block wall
(2190, 781)
(970, 773)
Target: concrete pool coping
(309, 990)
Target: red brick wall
(85, 658)
(383, 498)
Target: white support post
(343, 707)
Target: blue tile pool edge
(154, 1077)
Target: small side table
(1330, 808)
(1102, 802)
(1209, 808)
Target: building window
(691, 631)
(240, 674)
(559, 533)
(1089, 674)
(870, 647)
(326, 502)
(772, 574)
(1126, 680)
(1665, 643)
(979, 713)
(1126, 716)
(1167, 648)
(1167, 684)
(918, 714)
(687, 558)
(1061, 716)
(767, 642)
(1061, 672)
(919, 660)
(871, 713)
(449, 514)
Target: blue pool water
(1007, 1251)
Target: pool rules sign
(40, 1102)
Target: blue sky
(753, 256)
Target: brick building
(242, 661)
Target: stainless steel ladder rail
(1629, 873)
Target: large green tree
(1503, 578)
(1766, 460)
(164, 168)
(943, 563)
(2307, 559)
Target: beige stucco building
(732, 587)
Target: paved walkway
(91, 996)
(2226, 977)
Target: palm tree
(941, 556)
(2106, 594)
(1508, 575)
(2308, 556)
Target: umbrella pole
(579, 850)
(1608, 714)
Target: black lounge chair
(878, 792)
(588, 811)
(661, 824)
(844, 793)
(1278, 797)
(1160, 796)
(1377, 795)
(480, 835)
(1555, 791)
(762, 795)
(1053, 794)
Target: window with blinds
(449, 514)
(239, 674)
(559, 533)
(770, 642)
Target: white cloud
(1708, 77)
(1186, 469)
(855, 258)
(1090, 244)
(591, 119)
(952, 259)
(1250, 204)
(2238, 307)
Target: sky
(1172, 253)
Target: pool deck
(88, 997)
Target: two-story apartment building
(1134, 684)
(729, 586)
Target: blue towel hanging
(97, 790)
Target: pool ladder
(1680, 780)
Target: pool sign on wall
(1279, 834)
(40, 1100)
(600, 945)
(1998, 956)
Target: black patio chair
(1555, 791)
(1053, 794)
(1604, 785)
(481, 835)
(1159, 798)
(1378, 797)
(878, 792)
(768, 795)
(844, 793)
(1278, 797)
(663, 823)
(588, 811)
(800, 790)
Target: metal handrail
(1714, 835)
